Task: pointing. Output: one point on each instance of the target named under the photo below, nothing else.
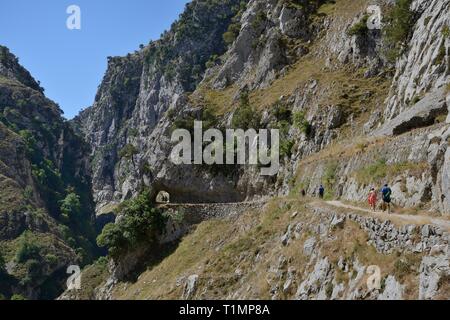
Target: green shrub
(213, 60)
(229, 37)
(140, 223)
(231, 34)
(28, 250)
(34, 271)
(446, 31)
(259, 20)
(245, 117)
(329, 177)
(399, 22)
(18, 297)
(28, 193)
(301, 123)
(281, 112)
(71, 207)
(128, 151)
(51, 259)
(374, 172)
(286, 146)
(208, 119)
(133, 132)
(360, 28)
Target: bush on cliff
(399, 22)
(140, 223)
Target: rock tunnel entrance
(162, 197)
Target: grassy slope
(218, 250)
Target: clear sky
(71, 63)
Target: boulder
(287, 236)
(309, 246)
(422, 114)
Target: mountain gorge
(356, 108)
(47, 211)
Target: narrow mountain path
(174, 204)
(395, 217)
(402, 218)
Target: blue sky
(71, 63)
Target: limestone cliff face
(425, 65)
(351, 118)
(40, 159)
(160, 77)
(302, 55)
(130, 109)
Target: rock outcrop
(425, 64)
(422, 114)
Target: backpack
(386, 194)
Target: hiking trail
(401, 218)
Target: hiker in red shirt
(373, 199)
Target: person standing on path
(321, 191)
(373, 199)
(386, 194)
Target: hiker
(373, 199)
(321, 191)
(303, 192)
(386, 193)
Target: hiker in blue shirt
(386, 193)
(321, 191)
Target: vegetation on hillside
(245, 117)
(250, 247)
(183, 52)
(139, 224)
(360, 28)
(380, 171)
(58, 202)
(399, 20)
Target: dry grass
(350, 243)
(218, 102)
(444, 288)
(379, 171)
(217, 249)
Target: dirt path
(401, 218)
(396, 218)
(224, 204)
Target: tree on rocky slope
(139, 223)
(399, 23)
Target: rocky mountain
(46, 208)
(356, 107)
(302, 57)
